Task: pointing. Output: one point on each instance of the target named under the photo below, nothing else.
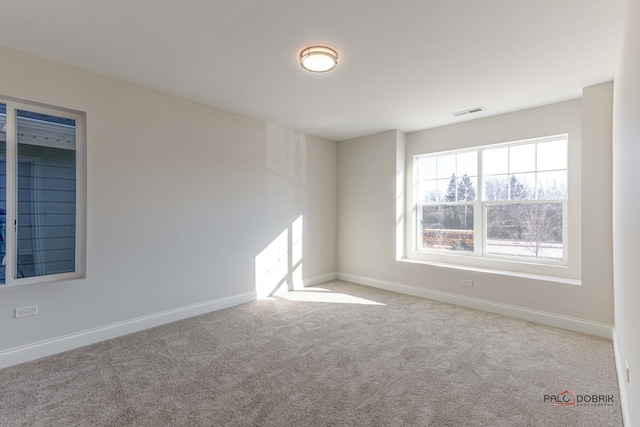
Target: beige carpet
(334, 355)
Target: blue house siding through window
(46, 198)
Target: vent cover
(469, 111)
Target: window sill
(60, 277)
(567, 281)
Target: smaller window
(41, 215)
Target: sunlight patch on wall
(296, 278)
(286, 152)
(296, 253)
(271, 265)
(279, 265)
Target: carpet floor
(336, 354)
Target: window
(447, 187)
(503, 202)
(41, 175)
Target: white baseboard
(565, 322)
(622, 381)
(312, 281)
(52, 346)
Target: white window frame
(479, 259)
(12, 105)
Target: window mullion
(565, 231)
(478, 225)
(416, 207)
(11, 195)
(80, 261)
(535, 177)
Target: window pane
(496, 187)
(552, 155)
(3, 189)
(447, 228)
(531, 230)
(428, 191)
(522, 158)
(467, 163)
(427, 168)
(446, 166)
(495, 161)
(552, 185)
(46, 194)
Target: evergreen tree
(451, 190)
(517, 190)
(466, 189)
(457, 217)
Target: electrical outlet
(26, 311)
(626, 368)
(467, 282)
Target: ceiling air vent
(469, 111)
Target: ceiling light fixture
(318, 59)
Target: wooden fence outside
(439, 238)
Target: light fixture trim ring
(323, 52)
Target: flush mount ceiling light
(318, 59)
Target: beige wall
(626, 209)
(367, 219)
(181, 199)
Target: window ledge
(60, 277)
(556, 279)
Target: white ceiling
(404, 64)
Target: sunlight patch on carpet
(330, 297)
